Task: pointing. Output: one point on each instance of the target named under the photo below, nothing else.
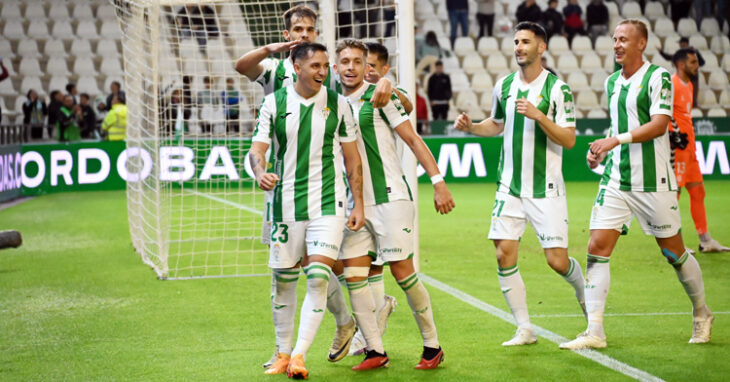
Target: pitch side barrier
(36, 169)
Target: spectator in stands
(485, 17)
(115, 123)
(529, 11)
(573, 20)
(34, 113)
(171, 109)
(206, 100)
(187, 99)
(68, 127)
(552, 19)
(389, 16)
(116, 89)
(458, 15)
(231, 100)
(680, 8)
(597, 18)
(704, 9)
(3, 75)
(439, 92)
(421, 112)
(198, 21)
(72, 91)
(428, 51)
(54, 109)
(87, 118)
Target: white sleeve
(564, 111)
(347, 129)
(393, 112)
(266, 78)
(262, 132)
(497, 114)
(660, 92)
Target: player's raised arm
(485, 128)
(442, 199)
(249, 64)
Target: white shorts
(548, 216)
(387, 234)
(657, 212)
(266, 224)
(290, 241)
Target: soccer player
(637, 181)
(273, 74)
(389, 208)
(310, 129)
(686, 166)
(535, 111)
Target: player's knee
(375, 270)
(671, 257)
(318, 275)
(697, 193)
(353, 274)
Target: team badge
(325, 112)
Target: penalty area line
(593, 355)
(228, 202)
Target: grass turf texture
(76, 303)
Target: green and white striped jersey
(305, 135)
(280, 73)
(383, 178)
(530, 164)
(645, 166)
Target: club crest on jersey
(325, 112)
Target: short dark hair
(682, 54)
(84, 95)
(351, 43)
(536, 28)
(439, 63)
(70, 86)
(379, 50)
(301, 11)
(303, 50)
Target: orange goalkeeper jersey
(683, 107)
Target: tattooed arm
(257, 158)
(353, 166)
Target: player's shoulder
(658, 72)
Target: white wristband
(624, 138)
(437, 178)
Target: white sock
(341, 279)
(598, 280)
(420, 303)
(574, 277)
(377, 288)
(513, 289)
(284, 307)
(313, 306)
(336, 303)
(363, 307)
(690, 275)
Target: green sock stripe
(681, 260)
(504, 272)
(572, 267)
(597, 259)
(356, 285)
(409, 286)
(375, 279)
(284, 279)
(317, 275)
(407, 280)
(341, 277)
(293, 272)
(315, 266)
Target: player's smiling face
(627, 44)
(302, 28)
(312, 71)
(351, 67)
(527, 48)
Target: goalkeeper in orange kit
(682, 138)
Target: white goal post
(193, 208)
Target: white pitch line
(647, 314)
(228, 202)
(593, 355)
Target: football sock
(284, 306)
(341, 279)
(363, 307)
(574, 277)
(429, 353)
(318, 275)
(336, 303)
(420, 303)
(690, 275)
(513, 289)
(697, 208)
(598, 280)
(377, 288)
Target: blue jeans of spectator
(459, 16)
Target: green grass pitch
(77, 304)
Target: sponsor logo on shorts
(391, 250)
(544, 237)
(663, 227)
(322, 244)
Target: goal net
(194, 209)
